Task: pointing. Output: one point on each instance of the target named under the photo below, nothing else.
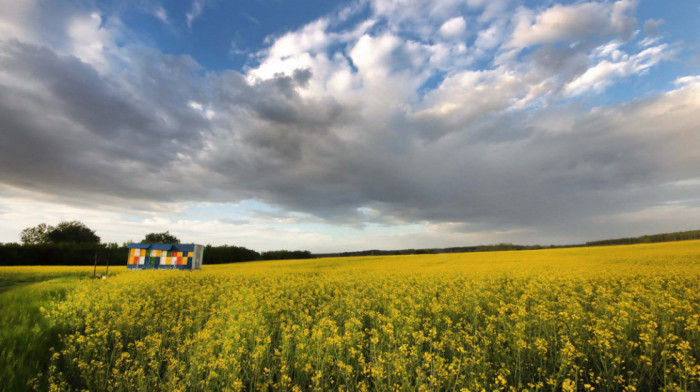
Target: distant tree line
(73, 243)
(665, 237)
(233, 254)
(60, 254)
(424, 251)
(286, 255)
(228, 254)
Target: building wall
(187, 256)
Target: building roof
(151, 246)
(173, 247)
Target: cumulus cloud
(88, 40)
(454, 27)
(571, 23)
(602, 74)
(362, 125)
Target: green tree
(73, 232)
(160, 238)
(36, 235)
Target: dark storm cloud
(68, 129)
(517, 171)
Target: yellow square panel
(190, 254)
(157, 254)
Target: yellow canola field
(580, 319)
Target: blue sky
(348, 125)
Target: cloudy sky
(337, 126)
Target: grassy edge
(26, 335)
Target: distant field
(581, 319)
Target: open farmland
(580, 319)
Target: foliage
(36, 235)
(228, 254)
(603, 319)
(645, 239)
(160, 238)
(84, 254)
(286, 254)
(59, 254)
(425, 251)
(67, 232)
(72, 232)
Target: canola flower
(620, 318)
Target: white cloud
(570, 23)
(622, 17)
(201, 109)
(490, 37)
(373, 56)
(419, 17)
(92, 39)
(453, 28)
(695, 79)
(195, 11)
(468, 95)
(293, 50)
(601, 75)
(88, 39)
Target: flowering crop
(583, 319)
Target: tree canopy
(72, 232)
(160, 238)
(36, 235)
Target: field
(581, 319)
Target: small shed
(165, 256)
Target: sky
(348, 125)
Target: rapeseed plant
(582, 319)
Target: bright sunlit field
(579, 319)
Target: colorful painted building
(165, 256)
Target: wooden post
(99, 257)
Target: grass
(601, 318)
(25, 333)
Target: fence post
(99, 257)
